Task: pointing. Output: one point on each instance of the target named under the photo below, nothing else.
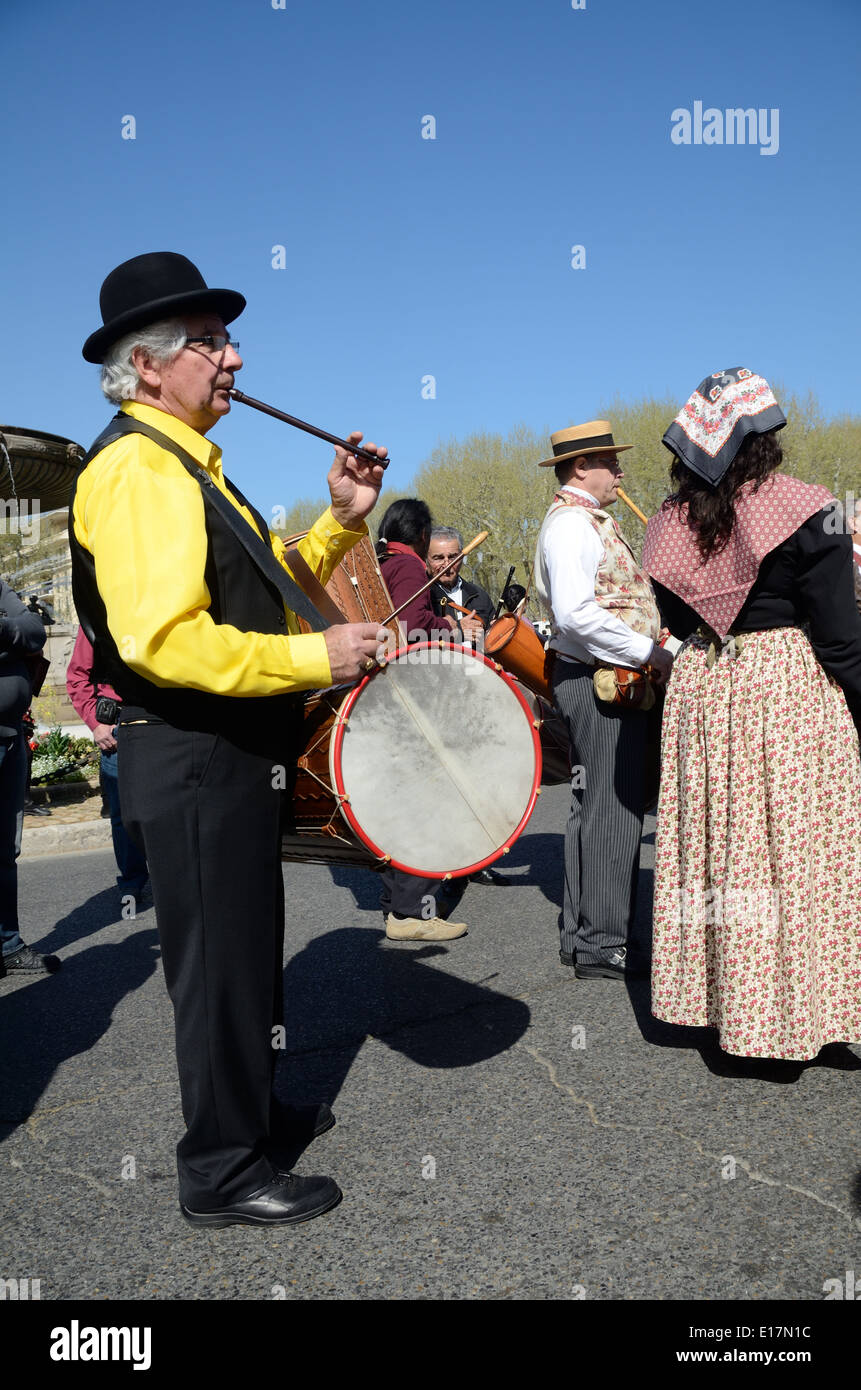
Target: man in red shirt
(91, 698)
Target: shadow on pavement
(59, 1016)
(352, 984)
(536, 861)
(103, 909)
(835, 1056)
(532, 860)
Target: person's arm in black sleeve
(21, 631)
(675, 613)
(827, 600)
(478, 601)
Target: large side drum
(434, 765)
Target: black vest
(240, 597)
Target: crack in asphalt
(30, 1123)
(497, 1004)
(752, 1173)
(70, 1173)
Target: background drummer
(451, 587)
(206, 660)
(410, 905)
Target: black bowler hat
(159, 285)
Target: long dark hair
(408, 521)
(711, 510)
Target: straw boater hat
(595, 437)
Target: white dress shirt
(454, 595)
(582, 629)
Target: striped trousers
(602, 837)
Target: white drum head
(439, 760)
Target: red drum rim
(347, 810)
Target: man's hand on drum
(354, 649)
(354, 484)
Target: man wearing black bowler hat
(172, 576)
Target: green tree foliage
(647, 465)
(10, 553)
(304, 513)
(26, 564)
(815, 450)
(492, 482)
(819, 450)
(302, 516)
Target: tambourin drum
(516, 646)
(357, 587)
(434, 766)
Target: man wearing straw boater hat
(174, 585)
(603, 616)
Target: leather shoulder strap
(257, 549)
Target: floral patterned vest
(621, 586)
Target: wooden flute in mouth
(355, 449)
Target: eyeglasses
(216, 342)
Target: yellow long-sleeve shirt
(141, 516)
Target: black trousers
(407, 894)
(207, 815)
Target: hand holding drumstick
(470, 624)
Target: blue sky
(407, 257)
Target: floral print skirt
(757, 917)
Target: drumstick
(470, 612)
(482, 536)
(634, 508)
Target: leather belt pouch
(623, 685)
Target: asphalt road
(504, 1130)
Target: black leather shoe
(489, 876)
(297, 1124)
(566, 959)
(27, 962)
(614, 967)
(285, 1201)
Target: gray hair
(447, 533)
(120, 379)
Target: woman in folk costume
(757, 928)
